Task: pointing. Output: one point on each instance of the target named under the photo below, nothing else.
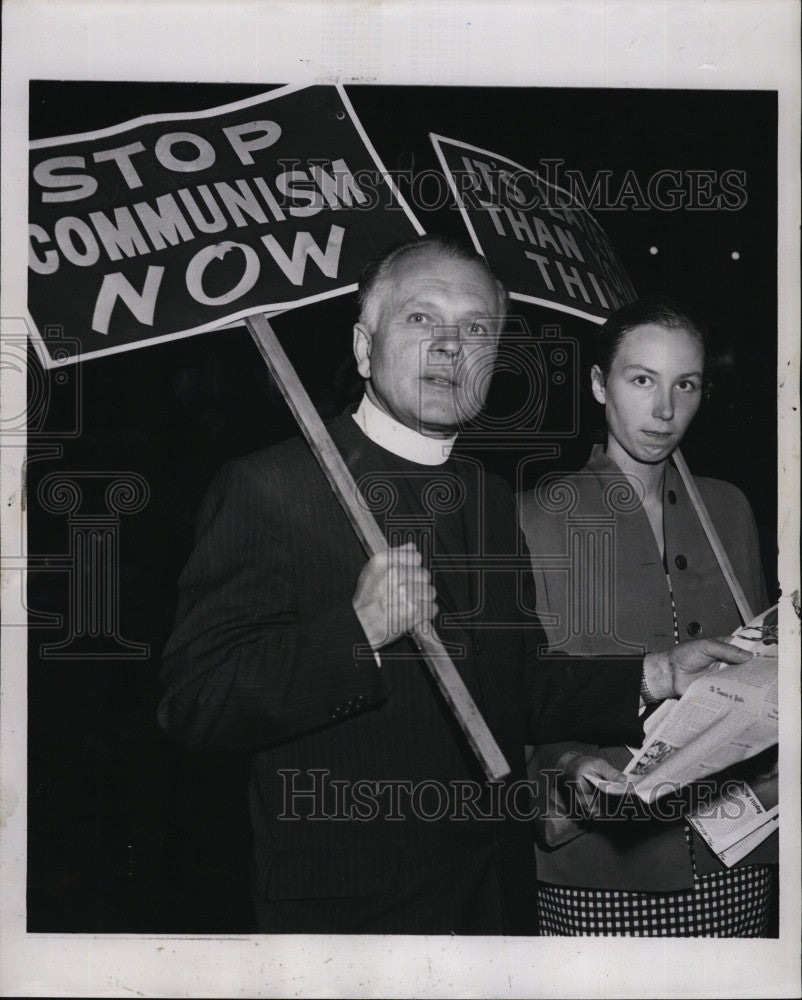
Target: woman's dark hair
(656, 309)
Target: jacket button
(694, 628)
(672, 497)
(336, 714)
(681, 562)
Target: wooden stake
(370, 534)
(741, 602)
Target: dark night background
(129, 834)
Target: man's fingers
(416, 595)
(428, 613)
(699, 655)
(720, 649)
(394, 593)
(404, 555)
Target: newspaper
(736, 821)
(747, 844)
(725, 716)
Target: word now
(142, 304)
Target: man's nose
(446, 340)
(664, 405)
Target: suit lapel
(363, 459)
(475, 528)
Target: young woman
(622, 564)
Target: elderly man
(369, 811)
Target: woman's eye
(687, 386)
(642, 380)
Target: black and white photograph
(400, 539)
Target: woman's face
(651, 393)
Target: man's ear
(363, 342)
(597, 384)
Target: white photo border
(703, 44)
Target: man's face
(430, 358)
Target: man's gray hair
(376, 274)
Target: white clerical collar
(401, 440)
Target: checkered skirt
(730, 903)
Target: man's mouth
(658, 435)
(439, 380)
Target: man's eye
(477, 329)
(418, 318)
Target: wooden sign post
(364, 524)
(746, 613)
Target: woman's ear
(363, 341)
(597, 384)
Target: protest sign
(125, 248)
(173, 224)
(548, 249)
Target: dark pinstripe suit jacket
(268, 654)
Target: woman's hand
(584, 778)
